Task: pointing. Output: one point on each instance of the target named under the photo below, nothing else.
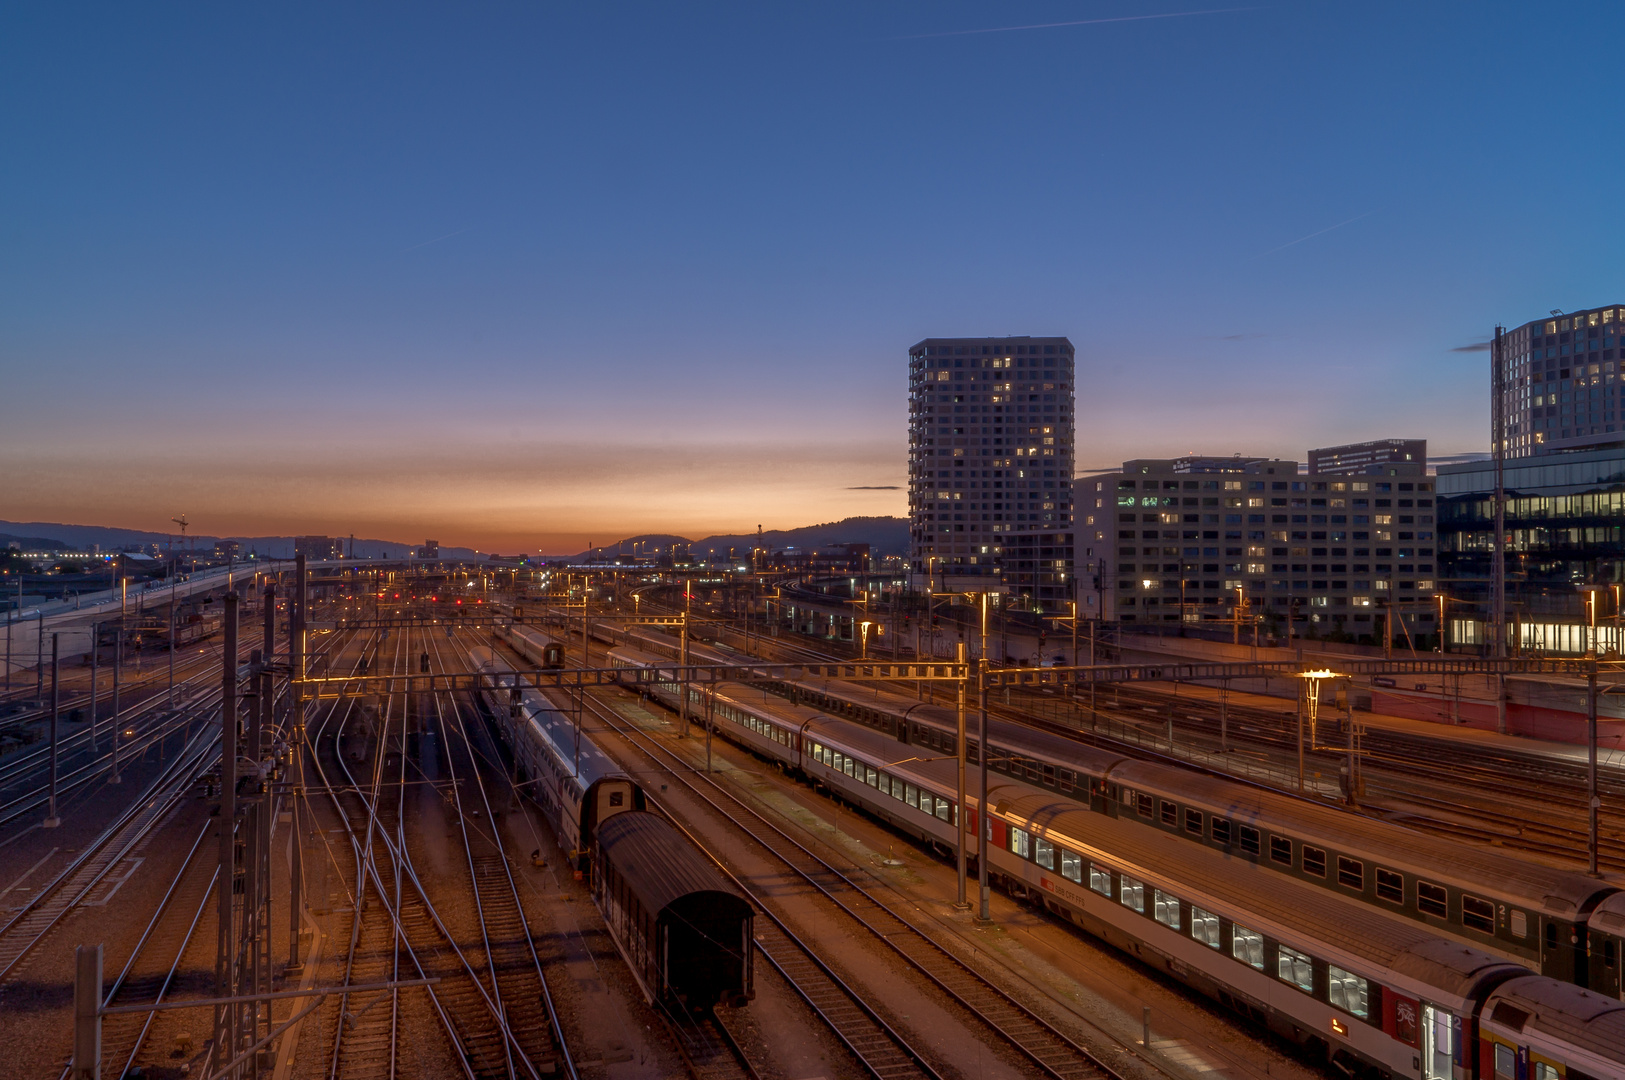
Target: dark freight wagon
(683, 929)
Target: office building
(1191, 539)
(1380, 457)
(990, 466)
(1565, 529)
(1562, 387)
(318, 547)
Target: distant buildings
(1560, 389)
(990, 466)
(1562, 380)
(1380, 457)
(429, 550)
(1189, 539)
(318, 547)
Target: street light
(863, 626)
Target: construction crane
(182, 522)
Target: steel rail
(509, 906)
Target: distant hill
(84, 537)
(32, 543)
(884, 535)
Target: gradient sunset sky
(521, 276)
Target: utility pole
(51, 820)
(981, 801)
(95, 664)
(173, 568)
(1498, 579)
(225, 962)
(962, 813)
(1593, 803)
(87, 1013)
(682, 664)
(118, 673)
(296, 737)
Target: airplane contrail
(436, 240)
(1311, 236)
(1074, 22)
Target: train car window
(617, 798)
(1247, 946)
(927, 802)
(1131, 893)
(1350, 873)
(1281, 850)
(873, 777)
(1249, 839)
(1142, 804)
(1506, 1062)
(1221, 831)
(1478, 914)
(850, 765)
(1193, 822)
(1347, 991)
(1170, 814)
(1205, 926)
(1049, 776)
(1166, 909)
(1021, 842)
(1610, 954)
(1544, 1071)
(1432, 899)
(1100, 880)
(1071, 866)
(1044, 853)
(839, 758)
(1292, 966)
(943, 808)
(1069, 779)
(911, 794)
(1390, 886)
(1314, 861)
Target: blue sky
(521, 276)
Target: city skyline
(377, 303)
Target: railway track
(1047, 1048)
(152, 966)
(35, 920)
(481, 1034)
(516, 980)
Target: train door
(1441, 1036)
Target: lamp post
(863, 648)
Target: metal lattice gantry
(1576, 667)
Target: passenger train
(1561, 923)
(1377, 995)
(682, 928)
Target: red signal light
(459, 603)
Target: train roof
(1408, 955)
(658, 863)
(1609, 916)
(556, 730)
(1558, 892)
(1531, 1007)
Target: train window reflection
(1296, 968)
(1350, 873)
(1100, 879)
(1131, 893)
(1390, 886)
(1204, 926)
(1431, 899)
(1221, 830)
(1478, 914)
(1071, 866)
(1044, 853)
(1167, 909)
(1020, 842)
(1249, 839)
(1247, 946)
(1346, 990)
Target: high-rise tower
(990, 465)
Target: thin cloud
(876, 487)
(1318, 232)
(436, 240)
(1074, 22)
(1477, 346)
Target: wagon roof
(657, 862)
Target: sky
(523, 277)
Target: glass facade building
(1561, 383)
(990, 464)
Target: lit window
(1247, 946)
(1044, 853)
(1167, 909)
(1071, 866)
(1021, 843)
(1100, 879)
(1131, 893)
(1346, 991)
(1204, 926)
(1292, 966)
